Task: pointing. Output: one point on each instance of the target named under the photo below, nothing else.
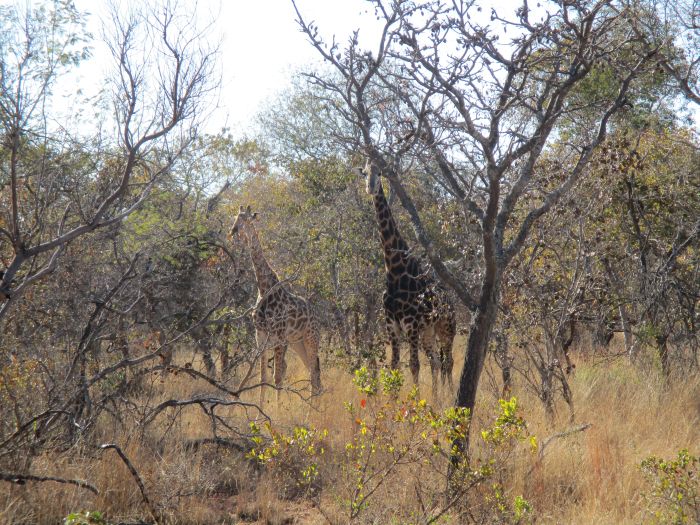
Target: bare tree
(480, 95)
(56, 187)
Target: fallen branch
(546, 442)
(194, 444)
(136, 477)
(20, 479)
(563, 434)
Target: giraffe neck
(394, 247)
(265, 276)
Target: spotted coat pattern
(281, 318)
(415, 305)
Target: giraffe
(414, 303)
(281, 318)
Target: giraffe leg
(446, 340)
(428, 340)
(307, 350)
(205, 349)
(447, 363)
(263, 341)
(225, 361)
(223, 346)
(392, 331)
(314, 364)
(280, 368)
(166, 355)
(414, 364)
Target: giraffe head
(372, 176)
(243, 222)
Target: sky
(261, 47)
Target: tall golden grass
(584, 477)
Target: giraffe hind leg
(205, 350)
(264, 345)
(314, 362)
(446, 340)
(446, 364)
(307, 350)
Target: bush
(85, 518)
(675, 491)
(397, 441)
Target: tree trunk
(477, 346)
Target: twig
(546, 442)
(205, 399)
(136, 477)
(565, 433)
(195, 444)
(19, 479)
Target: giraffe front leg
(205, 350)
(263, 341)
(392, 331)
(447, 364)
(280, 368)
(428, 339)
(166, 353)
(414, 363)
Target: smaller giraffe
(281, 318)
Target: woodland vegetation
(542, 160)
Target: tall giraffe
(281, 318)
(414, 303)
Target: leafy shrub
(397, 440)
(675, 488)
(292, 459)
(87, 517)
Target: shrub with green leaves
(398, 440)
(675, 488)
(88, 517)
(291, 458)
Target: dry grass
(591, 476)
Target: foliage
(675, 488)
(85, 518)
(498, 166)
(393, 436)
(292, 459)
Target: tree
(480, 100)
(57, 186)
(653, 263)
(669, 31)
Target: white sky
(261, 47)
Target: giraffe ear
(248, 209)
(255, 215)
(360, 172)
